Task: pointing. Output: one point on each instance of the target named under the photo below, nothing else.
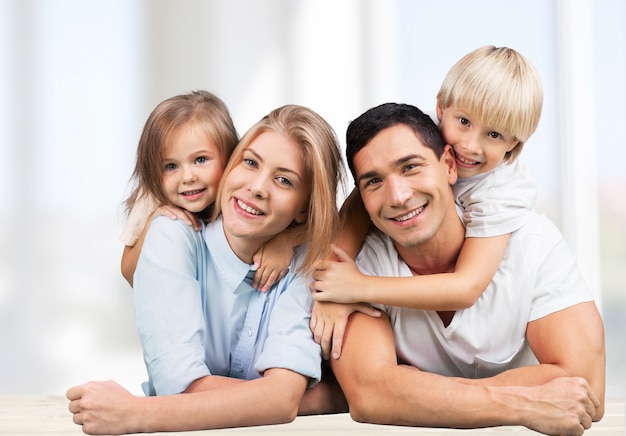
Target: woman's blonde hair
(199, 108)
(499, 86)
(324, 167)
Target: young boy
(488, 106)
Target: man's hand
(563, 406)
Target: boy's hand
(175, 212)
(328, 323)
(272, 261)
(338, 281)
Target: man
(529, 352)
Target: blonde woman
(238, 356)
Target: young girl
(239, 356)
(183, 149)
(489, 104)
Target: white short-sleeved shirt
(537, 276)
(496, 202)
(137, 219)
(197, 313)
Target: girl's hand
(328, 324)
(272, 261)
(175, 212)
(339, 281)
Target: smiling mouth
(191, 193)
(464, 160)
(247, 208)
(409, 215)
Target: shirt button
(239, 369)
(249, 332)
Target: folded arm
(107, 408)
(379, 390)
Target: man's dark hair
(370, 123)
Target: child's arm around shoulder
(131, 253)
(329, 319)
(274, 257)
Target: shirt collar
(233, 270)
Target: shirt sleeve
(496, 203)
(559, 282)
(137, 219)
(290, 342)
(168, 306)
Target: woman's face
(264, 192)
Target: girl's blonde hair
(320, 150)
(199, 108)
(499, 86)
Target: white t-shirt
(496, 202)
(537, 276)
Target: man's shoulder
(378, 255)
(377, 241)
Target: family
(435, 297)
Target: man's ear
(447, 159)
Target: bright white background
(79, 77)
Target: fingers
(264, 278)
(326, 340)
(319, 295)
(321, 335)
(74, 393)
(174, 213)
(341, 255)
(368, 310)
(338, 332)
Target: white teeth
(465, 161)
(249, 209)
(409, 215)
(197, 191)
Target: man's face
(404, 187)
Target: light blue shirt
(197, 313)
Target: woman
(241, 357)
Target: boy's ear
(439, 111)
(512, 147)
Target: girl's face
(265, 191)
(477, 147)
(192, 169)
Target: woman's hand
(328, 324)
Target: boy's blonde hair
(322, 155)
(499, 86)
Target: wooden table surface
(48, 415)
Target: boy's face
(478, 148)
(404, 187)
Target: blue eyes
(284, 181)
(170, 166)
(281, 179)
